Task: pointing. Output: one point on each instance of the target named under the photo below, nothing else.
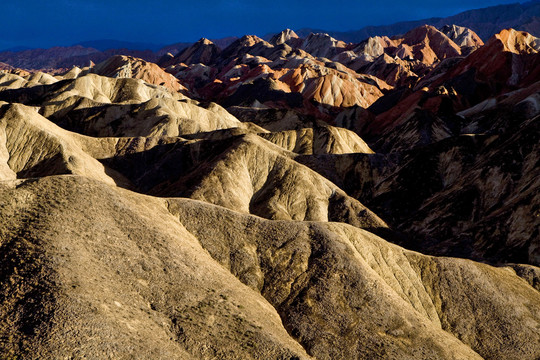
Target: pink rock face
(393, 70)
(332, 87)
(323, 45)
(375, 46)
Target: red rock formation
(508, 61)
(315, 82)
(429, 45)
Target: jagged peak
(283, 36)
(419, 33)
(249, 40)
(320, 42)
(204, 41)
(320, 36)
(462, 36)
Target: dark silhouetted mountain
(108, 44)
(16, 49)
(66, 57)
(203, 51)
(485, 22)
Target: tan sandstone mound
(319, 140)
(245, 173)
(31, 146)
(147, 288)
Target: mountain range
(294, 197)
(484, 22)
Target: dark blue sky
(39, 23)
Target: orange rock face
(130, 67)
(429, 45)
(504, 62)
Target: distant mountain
(224, 42)
(4, 66)
(485, 22)
(108, 44)
(173, 48)
(66, 57)
(44, 58)
(95, 51)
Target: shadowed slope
(339, 289)
(31, 146)
(244, 173)
(319, 140)
(473, 196)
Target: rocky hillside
(297, 198)
(317, 75)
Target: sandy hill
(148, 285)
